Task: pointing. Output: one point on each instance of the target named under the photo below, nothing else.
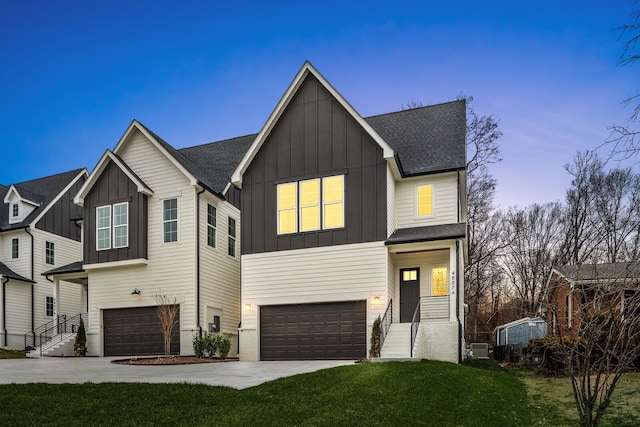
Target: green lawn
(12, 354)
(552, 404)
(389, 394)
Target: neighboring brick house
(347, 218)
(37, 233)
(576, 291)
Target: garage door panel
(136, 332)
(313, 331)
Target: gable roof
(43, 191)
(594, 272)
(421, 140)
(108, 157)
(427, 139)
(288, 96)
(10, 274)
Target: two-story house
(159, 222)
(346, 219)
(37, 233)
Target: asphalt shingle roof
(585, 272)
(8, 273)
(74, 267)
(41, 191)
(427, 234)
(426, 139)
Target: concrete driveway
(239, 375)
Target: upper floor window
(121, 225)
(50, 253)
(232, 237)
(170, 220)
(211, 225)
(424, 200)
(15, 250)
(112, 231)
(15, 210)
(321, 204)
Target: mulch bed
(168, 360)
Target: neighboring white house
(159, 221)
(347, 218)
(37, 233)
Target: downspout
(4, 308)
(198, 261)
(458, 302)
(33, 297)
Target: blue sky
(74, 74)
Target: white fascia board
(82, 173)
(137, 125)
(307, 68)
(107, 157)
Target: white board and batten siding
(337, 273)
(171, 267)
(445, 201)
(220, 272)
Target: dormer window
(15, 210)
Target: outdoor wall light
(136, 291)
(376, 300)
(247, 307)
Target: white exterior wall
(220, 272)
(445, 202)
(18, 313)
(21, 265)
(66, 251)
(171, 267)
(335, 273)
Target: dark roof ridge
(78, 170)
(414, 109)
(221, 140)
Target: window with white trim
(121, 225)
(310, 205)
(424, 199)
(50, 306)
(15, 248)
(103, 227)
(232, 237)
(15, 210)
(50, 253)
(211, 225)
(170, 220)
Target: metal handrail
(51, 331)
(415, 322)
(385, 324)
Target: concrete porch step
(397, 343)
(58, 346)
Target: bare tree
(533, 238)
(623, 139)
(606, 344)
(168, 309)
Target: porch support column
(56, 294)
(453, 282)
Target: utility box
(480, 350)
(214, 327)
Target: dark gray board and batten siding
(58, 221)
(114, 186)
(315, 137)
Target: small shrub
(223, 342)
(198, 346)
(374, 347)
(552, 350)
(80, 343)
(210, 343)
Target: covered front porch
(424, 315)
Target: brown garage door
(136, 332)
(336, 330)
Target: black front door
(409, 293)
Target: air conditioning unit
(480, 350)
